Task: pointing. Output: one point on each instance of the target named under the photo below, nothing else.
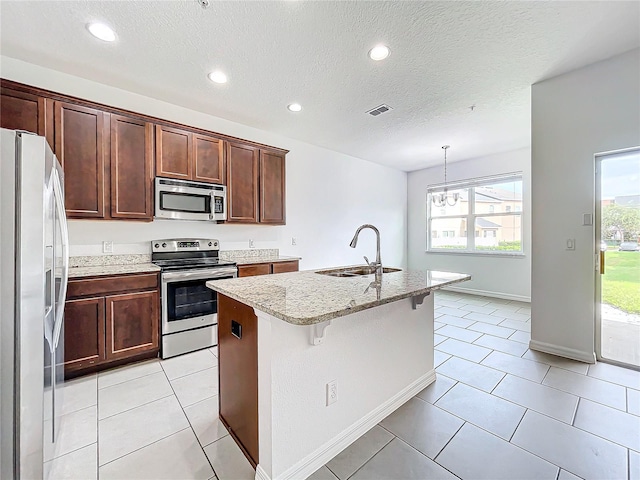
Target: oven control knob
(210, 243)
(157, 245)
(164, 245)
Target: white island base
(379, 358)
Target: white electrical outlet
(294, 241)
(332, 392)
(107, 247)
(251, 245)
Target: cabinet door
(242, 183)
(22, 111)
(173, 152)
(83, 333)
(283, 267)
(272, 188)
(208, 159)
(81, 148)
(253, 270)
(239, 373)
(131, 168)
(132, 324)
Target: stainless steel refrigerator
(34, 260)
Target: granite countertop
(106, 270)
(105, 265)
(264, 259)
(307, 298)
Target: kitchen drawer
(252, 270)
(112, 284)
(283, 267)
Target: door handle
(62, 294)
(601, 262)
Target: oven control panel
(190, 244)
(185, 245)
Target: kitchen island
(310, 361)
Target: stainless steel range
(189, 308)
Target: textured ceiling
(445, 57)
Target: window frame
(471, 216)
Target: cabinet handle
(236, 329)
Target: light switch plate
(587, 219)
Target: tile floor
(496, 411)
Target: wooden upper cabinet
(242, 183)
(131, 168)
(22, 111)
(208, 159)
(272, 188)
(131, 324)
(189, 156)
(81, 147)
(173, 152)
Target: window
(487, 217)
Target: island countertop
(307, 297)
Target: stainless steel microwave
(185, 200)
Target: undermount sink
(356, 271)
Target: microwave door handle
(59, 203)
(212, 204)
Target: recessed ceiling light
(218, 77)
(294, 107)
(101, 31)
(379, 52)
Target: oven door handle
(199, 275)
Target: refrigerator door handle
(62, 294)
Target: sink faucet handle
(367, 261)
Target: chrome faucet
(377, 264)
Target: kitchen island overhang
(378, 350)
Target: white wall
(502, 276)
(329, 194)
(574, 116)
(379, 358)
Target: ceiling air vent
(379, 110)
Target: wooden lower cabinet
(283, 267)
(254, 270)
(251, 270)
(238, 370)
(132, 324)
(84, 333)
(110, 320)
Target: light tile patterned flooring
(496, 411)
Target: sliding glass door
(618, 253)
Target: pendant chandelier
(445, 198)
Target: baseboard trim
(579, 355)
(486, 293)
(330, 449)
(261, 474)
